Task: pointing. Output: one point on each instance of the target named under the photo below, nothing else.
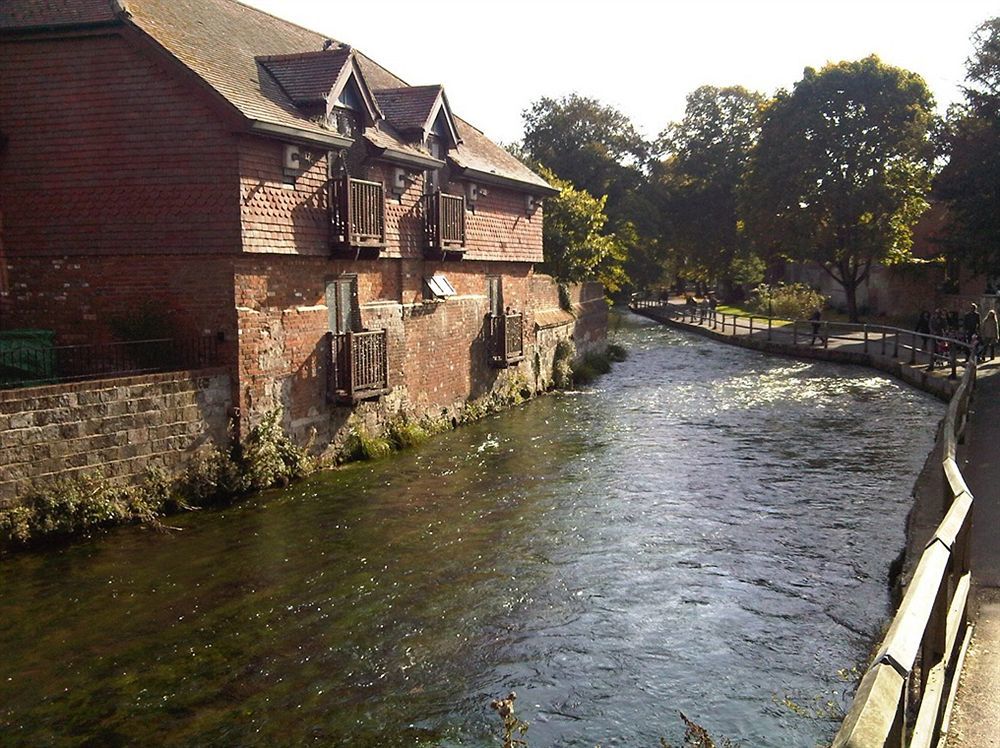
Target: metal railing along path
(914, 347)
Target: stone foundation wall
(115, 429)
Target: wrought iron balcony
(444, 222)
(358, 367)
(357, 213)
(505, 339)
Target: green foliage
(77, 507)
(212, 477)
(841, 170)
(789, 301)
(562, 365)
(705, 156)
(968, 183)
(576, 246)
(592, 145)
(616, 353)
(596, 148)
(361, 445)
(590, 367)
(269, 457)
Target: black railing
(359, 367)
(357, 213)
(27, 366)
(444, 222)
(506, 339)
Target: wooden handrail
(923, 638)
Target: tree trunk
(851, 294)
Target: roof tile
(19, 14)
(263, 66)
(307, 77)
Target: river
(705, 529)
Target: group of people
(981, 333)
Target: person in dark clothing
(815, 319)
(970, 323)
(953, 321)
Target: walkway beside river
(975, 721)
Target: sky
(641, 56)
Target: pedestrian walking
(970, 323)
(989, 334)
(816, 317)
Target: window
(345, 115)
(437, 150)
(438, 287)
(495, 293)
(342, 304)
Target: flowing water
(704, 530)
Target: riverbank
(77, 507)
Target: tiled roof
(408, 107)
(307, 77)
(222, 42)
(481, 154)
(19, 14)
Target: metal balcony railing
(359, 367)
(444, 222)
(357, 213)
(506, 339)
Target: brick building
(200, 169)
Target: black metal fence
(33, 365)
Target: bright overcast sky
(643, 57)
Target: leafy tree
(841, 170)
(706, 156)
(576, 245)
(970, 182)
(593, 146)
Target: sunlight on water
(705, 530)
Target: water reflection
(705, 530)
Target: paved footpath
(975, 722)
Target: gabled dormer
(327, 86)
(422, 115)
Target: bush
(269, 457)
(562, 365)
(616, 353)
(76, 507)
(793, 301)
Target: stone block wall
(113, 428)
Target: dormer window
(345, 115)
(328, 84)
(421, 114)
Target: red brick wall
(107, 154)
(118, 186)
(437, 349)
(85, 298)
